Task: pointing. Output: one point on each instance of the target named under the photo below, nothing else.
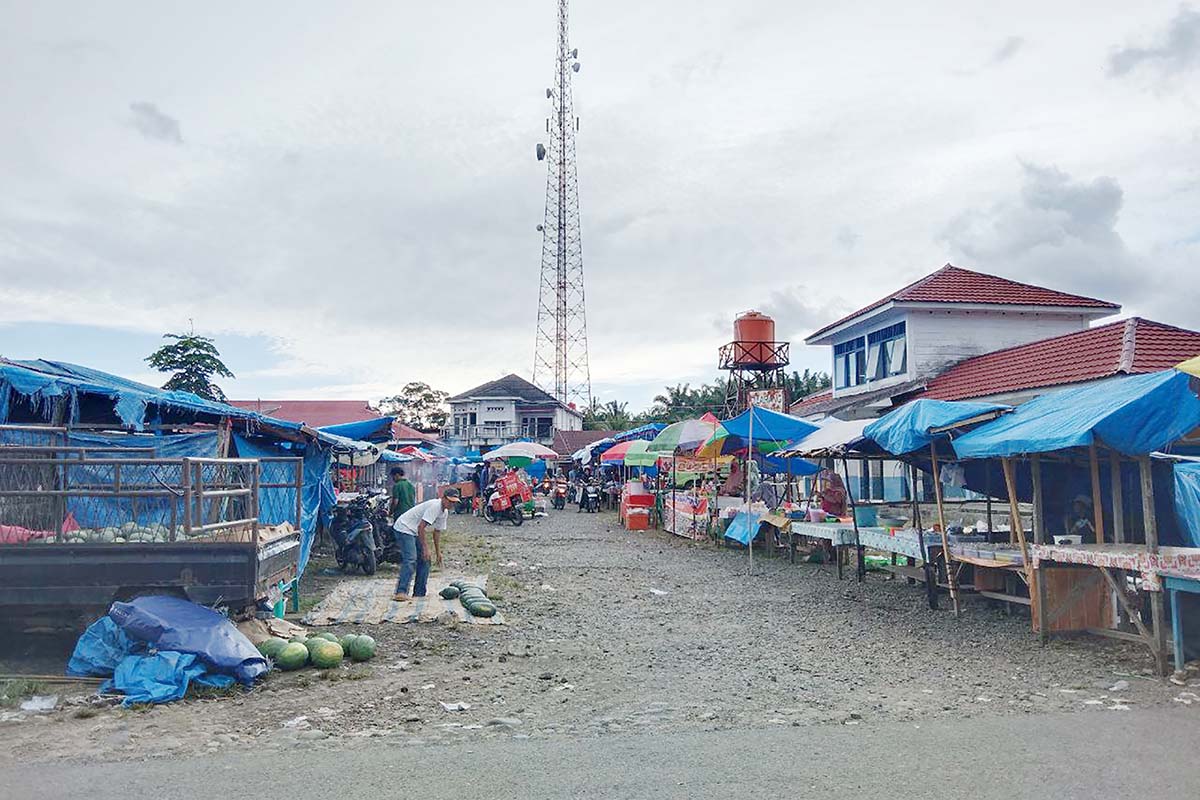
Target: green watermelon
(327, 654)
(312, 643)
(472, 594)
(328, 636)
(482, 610)
(298, 639)
(449, 593)
(345, 641)
(362, 648)
(292, 656)
(271, 647)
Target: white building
(507, 410)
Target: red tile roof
(314, 413)
(1128, 346)
(801, 406)
(952, 284)
(567, 442)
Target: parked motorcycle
(590, 499)
(559, 499)
(503, 506)
(354, 536)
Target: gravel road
(612, 632)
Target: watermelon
(291, 656)
(313, 643)
(298, 639)
(362, 648)
(345, 641)
(271, 647)
(449, 593)
(327, 654)
(482, 610)
(328, 636)
(472, 594)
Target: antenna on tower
(561, 351)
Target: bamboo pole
(1097, 500)
(746, 481)
(1010, 483)
(1117, 490)
(860, 568)
(1042, 614)
(1157, 617)
(937, 492)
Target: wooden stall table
(1173, 586)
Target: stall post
(1010, 483)
(1039, 537)
(937, 493)
(746, 481)
(861, 567)
(1159, 628)
(1118, 501)
(1097, 500)
(931, 586)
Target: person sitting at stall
(831, 493)
(1080, 520)
(734, 484)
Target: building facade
(507, 410)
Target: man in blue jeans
(412, 532)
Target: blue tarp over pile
(153, 648)
(1134, 415)
(367, 430)
(907, 429)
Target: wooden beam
(1010, 483)
(1118, 497)
(1124, 601)
(1038, 587)
(1097, 499)
(1157, 615)
(937, 492)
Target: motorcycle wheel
(369, 563)
(489, 514)
(516, 517)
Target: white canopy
(834, 436)
(520, 450)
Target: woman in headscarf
(831, 493)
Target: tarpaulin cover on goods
(172, 623)
(375, 430)
(1187, 501)
(908, 428)
(1133, 414)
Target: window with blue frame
(887, 352)
(849, 364)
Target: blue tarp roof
(769, 426)
(647, 432)
(1134, 414)
(378, 429)
(908, 428)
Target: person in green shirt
(404, 496)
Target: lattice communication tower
(561, 351)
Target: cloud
(1177, 48)
(154, 124)
(1012, 45)
(1061, 232)
(795, 312)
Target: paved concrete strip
(1118, 754)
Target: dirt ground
(609, 632)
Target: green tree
(800, 386)
(194, 360)
(418, 405)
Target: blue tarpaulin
(776, 465)
(647, 432)
(743, 527)
(318, 497)
(1134, 415)
(172, 623)
(1187, 501)
(160, 677)
(769, 426)
(907, 429)
(100, 649)
(367, 430)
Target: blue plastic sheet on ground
(742, 528)
(100, 649)
(1187, 501)
(1134, 415)
(171, 623)
(161, 677)
(908, 428)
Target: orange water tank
(754, 332)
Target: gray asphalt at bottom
(1143, 754)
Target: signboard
(770, 399)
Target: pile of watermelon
(472, 597)
(324, 650)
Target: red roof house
(314, 413)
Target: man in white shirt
(412, 537)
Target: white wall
(939, 338)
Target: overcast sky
(345, 195)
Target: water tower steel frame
(561, 349)
(753, 365)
